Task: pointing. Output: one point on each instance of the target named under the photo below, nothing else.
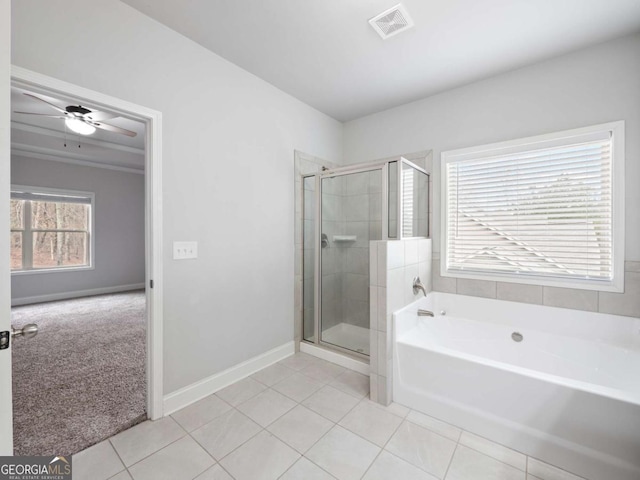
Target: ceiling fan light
(80, 127)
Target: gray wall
(591, 86)
(119, 226)
(228, 145)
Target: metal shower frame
(383, 166)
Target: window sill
(37, 271)
(615, 286)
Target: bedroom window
(51, 230)
(546, 210)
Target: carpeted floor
(82, 378)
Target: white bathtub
(568, 393)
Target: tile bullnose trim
(185, 396)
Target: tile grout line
(206, 451)
(527, 457)
(298, 403)
(458, 442)
(327, 432)
(384, 447)
(155, 451)
(119, 457)
(494, 458)
(224, 470)
(266, 430)
(341, 418)
(555, 467)
(291, 398)
(450, 461)
(361, 400)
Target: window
(546, 210)
(50, 229)
(407, 201)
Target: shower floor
(348, 336)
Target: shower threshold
(345, 335)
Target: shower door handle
(30, 330)
(324, 240)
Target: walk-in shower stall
(343, 210)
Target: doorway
(81, 251)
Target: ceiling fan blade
(42, 114)
(97, 116)
(60, 109)
(113, 128)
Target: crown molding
(39, 153)
(90, 141)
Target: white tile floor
(303, 419)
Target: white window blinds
(407, 202)
(543, 209)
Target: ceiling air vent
(391, 21)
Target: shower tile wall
(362, 214)
(351, 206)
(332, 256)
(394, 264)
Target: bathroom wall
(393, 266)
(227, 155)
(587, 87)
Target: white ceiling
(42, 137)
(324, 52)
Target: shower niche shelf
(344, 238)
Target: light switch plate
(185, 250)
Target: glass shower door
(351, 216)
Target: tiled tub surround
(567, 393)
(627, 303)
(393, 265)
(303, 419)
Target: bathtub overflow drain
(517, 337)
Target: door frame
(319, 176)
(37, 82)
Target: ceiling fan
(80, 119)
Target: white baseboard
(333, 357)
(77, 294)
(197, 391)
